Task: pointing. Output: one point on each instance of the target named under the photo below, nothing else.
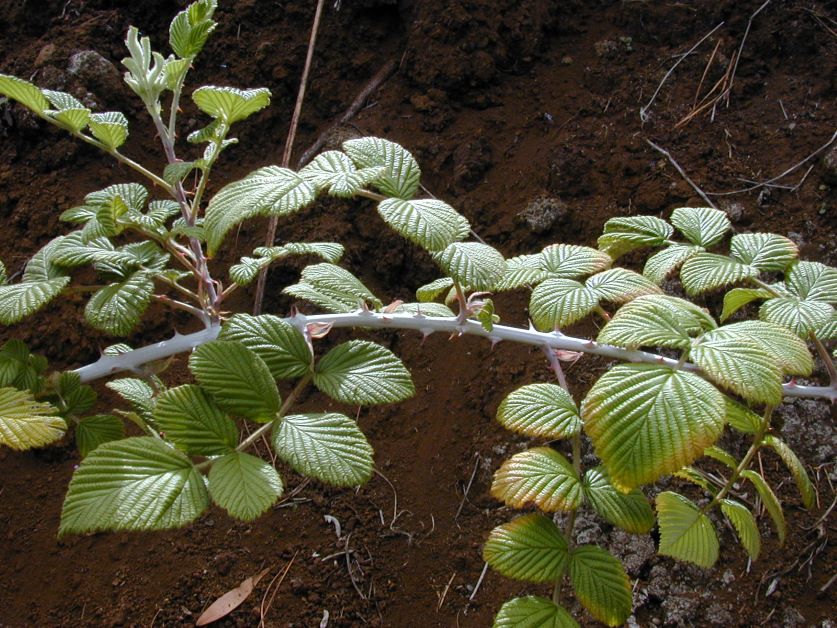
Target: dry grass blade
(266, 603)
(231, 600)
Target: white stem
(426, 325)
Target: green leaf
(93, 431)
(335, 172)
(540, 411)
(736, 362)
(363, 373)
(472, 264)
(828, 331)
(136, 483)
(570, 261)
(523, 270)
(706, 271)
(764, 251)
(229, 104)
(23, 92)
(802, 317)
(529, 548)
(19, 300)
(118, 307)
(401, 173)
(191, 420)
(26, 423)
(238, 379)
(247, 270)
(745, 526)
(74, 119)
(540, 476)
(646, 421)
(78, 250)
(176, 172)
(813, 281)
(432, 310)
(243, 485)
(175, 71)
(329, 447)
(629, 511)
(136, 392)
(108, 217)
(4, 277)
(110, 128)
(685, 532)
(722, 456)
(430, 223)
(624, 234)
(281, 345)
(797, 469)
(660, 265)
(332, 288)
(703, 226)
(737, 298)
(619, 285)
(787, 350)
(770, 501)
(190, 28)
(601, 584)
(73, 396)
(558, 303)
(430, 291)
(741, 418)
(268, 191)
(41, 268)
(647, 322)
(533, 612)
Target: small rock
(45, 55)
(634, 550)
(734, 210)
(718, 615)
(566, 60)
(792, 618)
(95, 71)
(829, 162)
(728, 577)
(680, 610)
(808, 429)
(607, 49)
(543, 213)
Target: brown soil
(504, 104)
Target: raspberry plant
(649, 416)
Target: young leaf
(540, 476)
(401, 173)
(789, 353)
(23, 92)
(624, 234)
(529, 548)
(721, 455)
(271, 190)
(745, 526)
(634, 409)
(540, 411)
(523, 270)
(137, 483)
(557, 303)
(707, 271)
(243, 485)
(19, 300)
(685, 532)
(703, 226)
(363, 373)
(136, 392)
(192, 421)
(429, 292)
(229, 104)
(813, 281)
(73, 396)
(430, 223)
(660, 265)
(472, 264)
(190, 28)
(117, 308)
(332, 288)
(238, 379)
(737, 298)
(741, 418)
(329, 447)
(69, 111)
(801, 316)
(601, 584)
(93, 431)
(763, 251)
(335, 172)
(629, 511)
(533, 612)
(797, 469)
(619, 285)
(110, 128)
(771, 502)
(570, 261)
(281, 345)
(26, 423)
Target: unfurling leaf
(685, 532)
(529, 548)
(540, 411)
(190, 28)
(541, 476)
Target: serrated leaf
(646, 421)
(685, 532)
(77, 250)
(243, 485)
(192, 421)
(363, 373)
(478, 266)
(117, 308)
(110, 128)
(190, 28)
(540, 411)
(334, 171)
(787, 350)
(533, 612)
(136, 483)
(770, 501)
(660, 265)
(401, 174)
(429, 292)
(742, 418)
(696, 477)
(797, 469)
(133, 195)
(19, 300)
(737, 298)
(540, 476)
(828, 331)
(703, 226)
(813, 281)
(707, 271)
(173, 173)
(93, 431)
(430, 223)
(23, 92)
(73, 396)
(721, 455)
(529, 548)
(281, 345)
(523, 270)
(238, 379)
(329, 251)
(570, 261)
(745, 526)
(41, 268)
(175, 71)
(619, 285)
(4, 277)
(26, 423)
(601, 584)
(629, 511)
(332, 288)
(801, 316)
(432, 310)
(136, 392)
(764, 251)
(626, 233)
(558, 303)
(329, 447)
(647, 322)
(268, 191)
(73, 120)
(229, 104)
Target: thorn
(494, 341)
(531, 326)
(426, 331)
(590, 344)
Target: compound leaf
(193, 422)
(533, 612)
(541, 476)
(797, 469)
(23, 92)
(401, 173)
(770, 501)
(801, 316)
(540, 411)
(335, 172)
(557, 303)
(707, 271)
(626, 233)
(601, 584)
(243, 485)
(813, 281)
(478, 266)
(190, 28)
(117, 308)
(523, 270)
(629, 511)
(95, 430)
(26, 423)
(430, 223)
(703, 226)
(745, 526)
(281, 345)
(763, 251)
(230, 104)
(529, 548)
(570, 261)
(685, 532)
(660, 265)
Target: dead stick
(467, 488)
(289, 144)
(705, 72)
(741, 47)
(479, 582)
(682, 172)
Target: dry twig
(683, 174)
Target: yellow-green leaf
(540, 476)
(685, 532)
